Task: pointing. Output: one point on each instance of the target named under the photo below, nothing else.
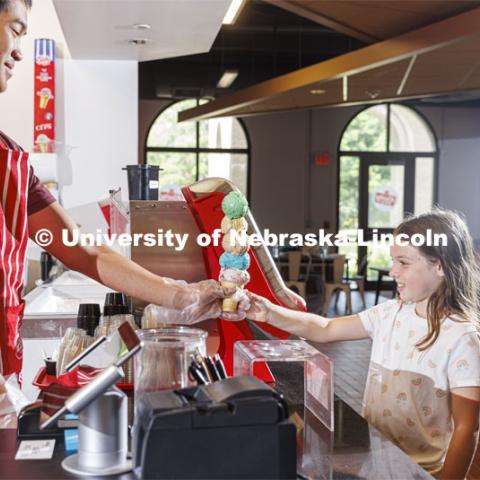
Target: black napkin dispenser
(234, 428)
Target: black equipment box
(234, 428)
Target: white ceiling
(101, 29)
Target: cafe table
(382, 272)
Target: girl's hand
(250, 306)
(260, 308)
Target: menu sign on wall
(44, 96)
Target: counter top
(355, 450)
(52, 307)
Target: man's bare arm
(110, 268)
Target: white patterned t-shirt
(407, 391)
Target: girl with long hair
(423, 385)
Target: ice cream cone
(228, 285)
(44, 99)
(229, 305)
(43, 143)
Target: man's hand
(200, 301)
(207, 300)
(197, 301)
(203, 300)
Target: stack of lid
(88, 317)
(116, 304)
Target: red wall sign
(44, 96)
(322, 159)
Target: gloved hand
(192, 303)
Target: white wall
(100, 117)
(148, 111)
(458, 133)
(96, 112)
(16, 104)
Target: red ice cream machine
(201, 212)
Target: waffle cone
(229, 305)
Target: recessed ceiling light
(139, 41)
(141, 26)
(227, 78)
(233, 12)
(317, 91)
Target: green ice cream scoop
(234, 205)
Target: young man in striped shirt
(31, 203)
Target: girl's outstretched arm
(460, 453)
(306, 325)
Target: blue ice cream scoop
(240, 262)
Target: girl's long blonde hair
(458, 295)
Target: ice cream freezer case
(200, 214)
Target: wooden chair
(338, 284)
(359, 280)
(296, 280)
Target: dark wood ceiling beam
(366, 101)
(404, 46)
(323, 20)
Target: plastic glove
(200, 299)
(12, 400)
(193, 303)
(241, 297)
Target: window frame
(197, 150)
(387, 153)
(341, 153)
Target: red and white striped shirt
(38, 195)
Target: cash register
(234, 428)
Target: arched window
(190, 151)
(387, 168)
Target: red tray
(42, 380)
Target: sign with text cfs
(44, 96)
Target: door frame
(366, 161)
(383, 158)
(340, 153)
